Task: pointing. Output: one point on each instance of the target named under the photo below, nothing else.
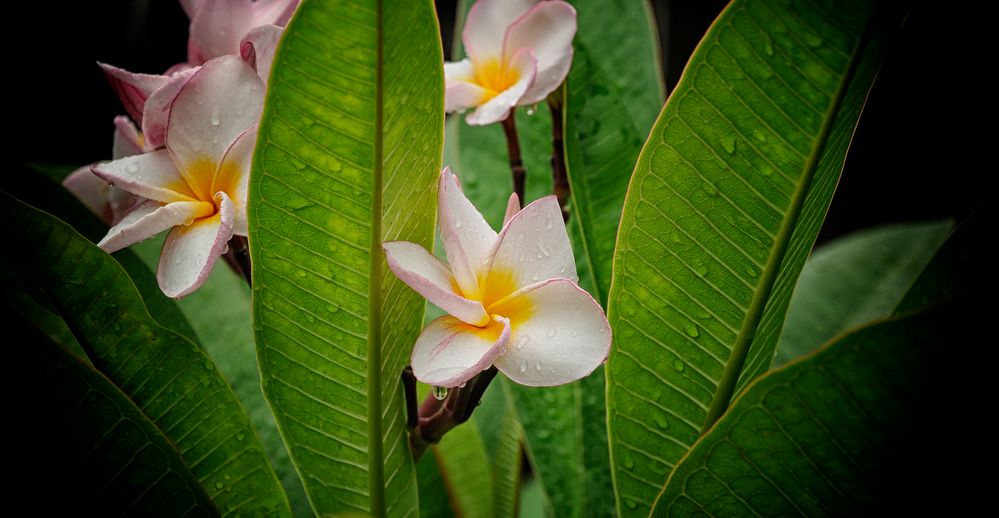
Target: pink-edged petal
(220, 102)
(486, 25)
(127, 139)
(190, 252)
(534, 246)
(91, 190)
(150, 218)
(234, 176)
(274, 12)
(430, 277)
(547, 29)
(258, 46)
(459, 70)
(133, 89)
(156, 114)
(450, 352)
(498, 108)
(468, 239)
(178, 68)
(150, 175)
(217, 27)
(512, 207)
(122, 202)
(461, 95)
(559, 335)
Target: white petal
(468, 239)
(547, 29)
(156, 113)
(133, 89)
(498, 108)
(486, 25)
(233, 177)
(512, 207)
(190, 253)
(220, 102)
(459, 70)
(150, 218)
(431, 278)
(258, 46)
(276, 12)
(461, 95)
(534, 246)
(558, 334)
(149, 175)
(450, 352)
(217, 27)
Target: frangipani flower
(512, 297)
(197, 185)
(519, 51)
(220, 27)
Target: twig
(560, 180)
(238, 257)
(513, 150)
(437, 418)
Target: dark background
(911, 158)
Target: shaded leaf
(723, 207)
(348, 156)
(80, 435)
(465, 470)
(841, 432)
(853, 280)
(164, 373)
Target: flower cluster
(512, 296)
(187, 170)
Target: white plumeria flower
(512, 297)
(519, 51)
(197, 185)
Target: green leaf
(466, 471)
(348, 157)
(78, 435)
(722, 210)
(614, 92)
(502, 434)
(219, 313)
(164, 373)
(833, 434)
(434, 501)
(856, 279)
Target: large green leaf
(722, 210)
(466, 471)
(165, 374)
(502, 434)
(348, 156)
(836, 433)
(77, 434)
(856, 279)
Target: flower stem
(513, 150)
(560, 180)
(238, 257)
(435, 418)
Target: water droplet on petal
(523, 365)
(537, 364)
(132, 168)
(457, 223)
(551, 332)
(439, 393)
(574, 333)
(216, 116)
(548, 222)
(523, 342)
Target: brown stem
(513, 150)
(560, 180)
(436, 418)
(238, 257)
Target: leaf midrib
(375, 461)
(740, 350)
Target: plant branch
(238, 257)
(560, 180)
(435, 418)
(513, 150)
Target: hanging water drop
(532, 109)
(439, 393)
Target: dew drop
(537, 365)
(301, 274)
(628, 461)
(216, 116)
(710, 189)
(768, 48)
(631, 503)
(812, 40)
(691, 330)
(532, 109)
(239, 437)
(701, 270)
(439, 393)
(551, 332)
(574, 333)
(333, 308)
(523, 342)
(457, 223)
(523, 365)
(219, 485)
(548, 222)
(728, 142)
(678, 365)
(661, 422)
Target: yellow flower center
(494, 77)
(204, 180)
